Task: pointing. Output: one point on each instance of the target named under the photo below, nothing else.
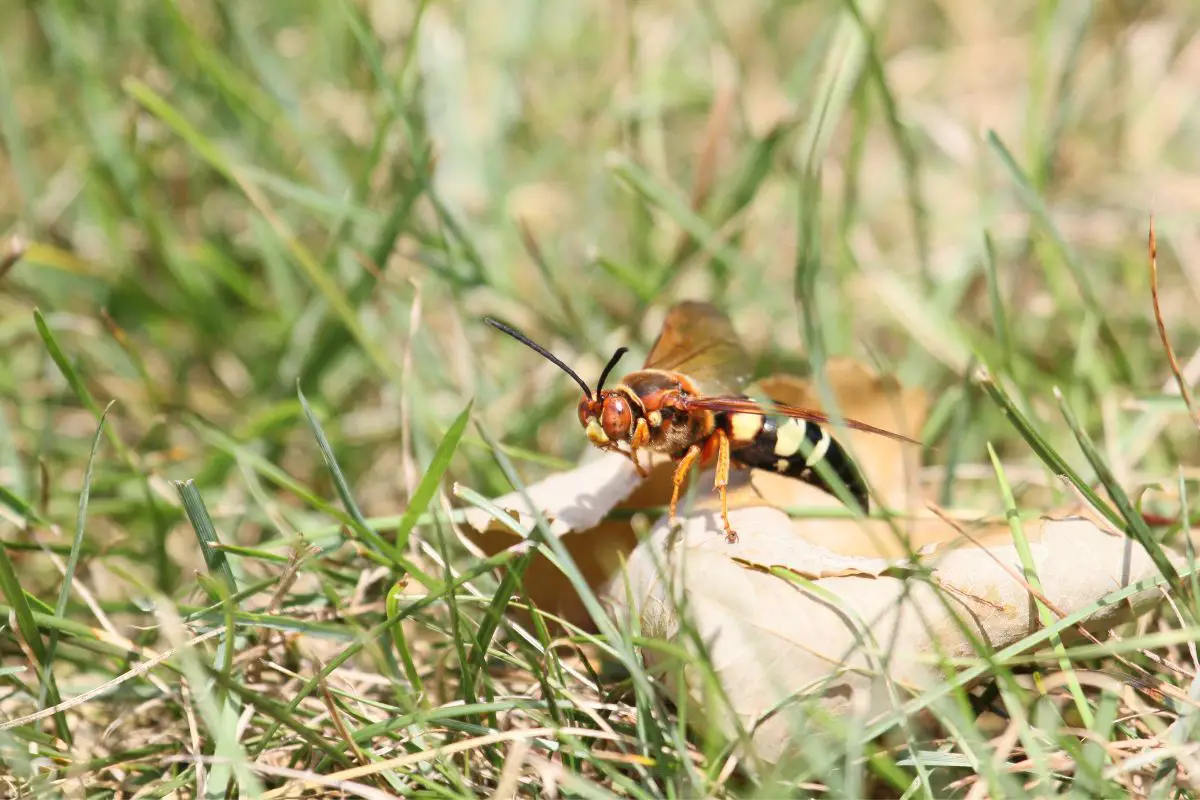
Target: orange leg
(681, 471)
(721, 484)
(641, 436)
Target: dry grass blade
(103, 689)
(311, 779)
(458, 747)
(1162, 330)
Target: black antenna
(612, 362)
(537, 348)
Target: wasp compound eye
(617, 418)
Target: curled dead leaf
(859, 636)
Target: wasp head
(608, 417)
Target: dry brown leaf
(768, 637)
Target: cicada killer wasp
(688, 402)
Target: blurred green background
(221, 200)
(224, 200)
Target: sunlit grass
(267, 234)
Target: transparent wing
(699, 341)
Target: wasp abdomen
(792, 447)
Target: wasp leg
(721, 484)
(631, 455)
(640, 438)
(681, 471)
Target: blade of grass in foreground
(377, 542)
(1021, 542)
(658, 720)
(64, 592)
(426, 488)
(400, 642)
(220, 582)
(219, 716)
(206, 533)
(1134, 523)
(20, 506)
(1049, 456)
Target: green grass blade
(1042, 448)
(1029, 567)
(1131, 520)
(206, 534)
(64, 593)
(164, 569)
(380, 545)
(400, 641)
(22, 508)
(1083, 281)
(19, 606)
(429, 482)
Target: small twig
(1162, 330)
(336, 717)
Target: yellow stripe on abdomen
(789, 437)
(743, 428)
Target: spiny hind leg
(721, 483)
(681, 471)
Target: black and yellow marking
(792, 448)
